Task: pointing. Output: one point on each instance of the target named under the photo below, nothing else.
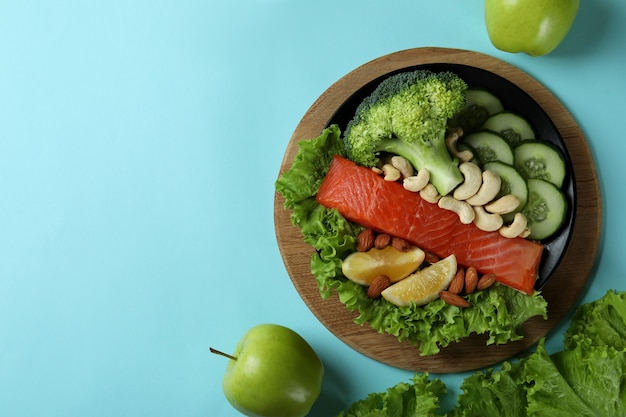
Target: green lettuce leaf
(548, 392)
(498, 312)
(418, 398)
(602, 322)
(310, 166)
(493, 393)
(588, 379)
(597, 374)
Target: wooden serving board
(561, 291)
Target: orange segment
(363, 267)
(424, 285)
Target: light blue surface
(139, 145)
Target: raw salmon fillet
(365, 198)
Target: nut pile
(369, 239)
(466, 281)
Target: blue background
(139, 145)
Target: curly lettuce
(309, 167)
(587, 378)
(603, 321)
(498, 312)
(417, 398)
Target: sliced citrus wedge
(424, 285)
(363, 267)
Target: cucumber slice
(489, 146)
(479, 105)
(511, 126)
(545, 210)
(542, 160)
(512, 183)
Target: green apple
(273, 372)
(535, 27)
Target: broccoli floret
(407, 115)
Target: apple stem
(217, 352)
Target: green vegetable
(600, 322)
(543, 383)
(420, 398)
(545, 210)
(407, 115)
(542, 160)
(326, 230)
(489, 146)
(587, 378)
(492, 393)
(498, 312)
(479, 105)
(310, 166)
(596, 376)
(511, 126)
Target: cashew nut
(461, 208)
(452, 137)
(485, 221)
(488, 190)
(391, 173)
(503, 205)
(403, 165)
(430, 194)
(417, 182)
(516, 228)
(473, 180)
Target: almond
(365, 240)
(430, 257)
(453, 299)
(378, 285)
(486, 281)
(400, 244)
(471, 280)
(458, 282)
(382, 241)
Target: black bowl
(513, 99)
